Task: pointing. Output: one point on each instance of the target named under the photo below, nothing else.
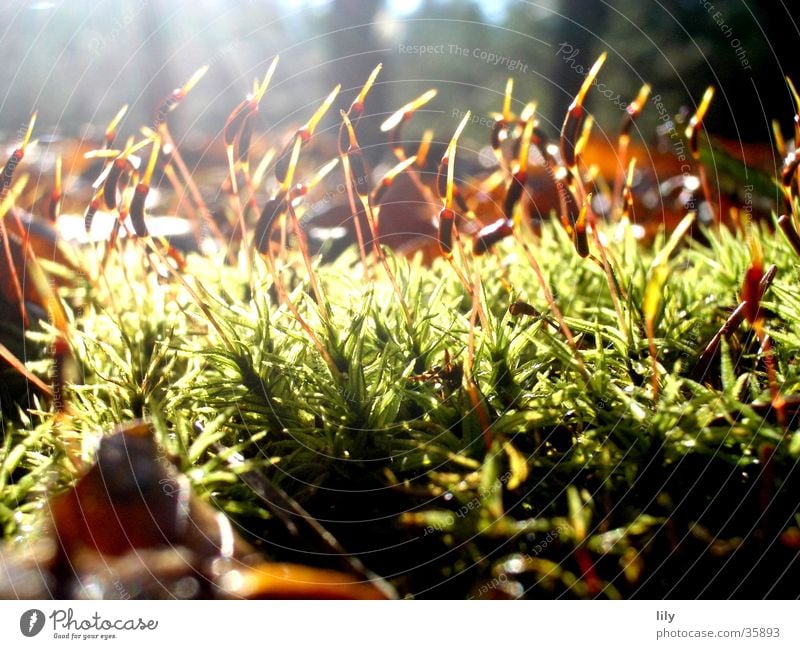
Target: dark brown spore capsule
(88, 215)
(785, 224)
(516, 148)
(166, 106)
(569, 205)
(460, 201)
(752, 291)
(269, 215)
(137, 209)
(581, 240)
(8, 170)
(491, 234)
(498, 128)
(514, 192)
(789, 168)
(446, 219)
(522, 308)
(570, 133)
(112, 181)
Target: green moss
(591, 485)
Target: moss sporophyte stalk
(538, 393)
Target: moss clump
(589, 485)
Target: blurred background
(78, 61)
